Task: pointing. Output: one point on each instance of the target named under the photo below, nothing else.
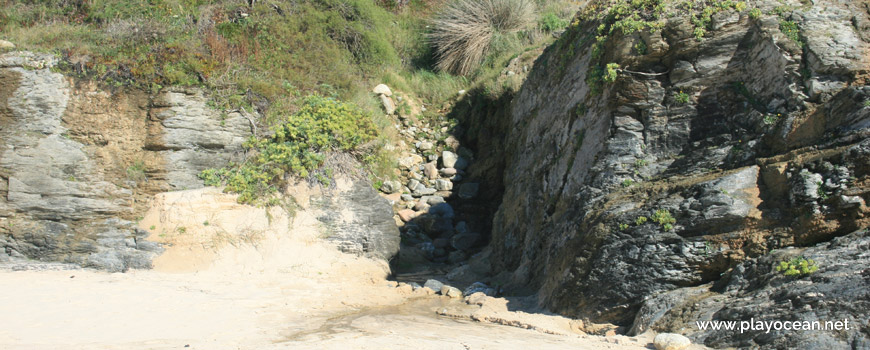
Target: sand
(248, 280)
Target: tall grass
(464, 32)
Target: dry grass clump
(463, 33)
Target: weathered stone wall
(78, 165)
(769, 152)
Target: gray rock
(443, 185)
(670, 341)
(425, 146)
(382, 89)
(371, 231)
(464, 241)
(391, 186)
(387, 103)
(447, 172)
(479, 287)
(407, 197)
(6, 45)
(433, 285)
(448, 159)
(443, 210)
(468, 190)
(432, 200)
(430, 170)
(450, 291)
(413, 185)
(461, 163)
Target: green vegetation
(627, 183)
(820, 191)
(771, 119)
(298, 146)
(797, 267)
(681, 98)
(755, 13)
(640, 220)
(791, 30)
(623, 227)
(663, 217)
(466, 31)
(550, 22)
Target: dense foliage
(298, 146)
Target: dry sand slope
(248, 280)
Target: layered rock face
(78, 165)
(700, 163)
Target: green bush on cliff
(797, 267)
(298, 146)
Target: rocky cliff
(80, 164)
(672, 194)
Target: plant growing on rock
(298, 146)
(797, 267)
(640, 220)
(770, 119)
(681, 98)
(664, 218)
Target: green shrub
(755, 13)
(681, 98)
(298, 146)
(797, 267)
(627, 183)
(791, 30)
(640, 220)
(463, 33)
(771, 119)
(550, 22)
(663, 217)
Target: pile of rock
(431, 176)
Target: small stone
(425, 146)
(421, 205)
(413, 184)
(452, 292)
(447, 172)
(430, 170)
(389, 106)
(461, 163)
(443, 185)
(448, 159)
(432, 157)
(407, 197)
(410, 161)
(407, 215)
(671, 341)
(461, 92)
(432, 200)
(383, 89)
(424, 191)
(390, 186)
(415, 175)
(479, 287)
(468, 190)
(464, 241)
(433, 285)
(451, 142)
(443, 210)
(6, 45)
